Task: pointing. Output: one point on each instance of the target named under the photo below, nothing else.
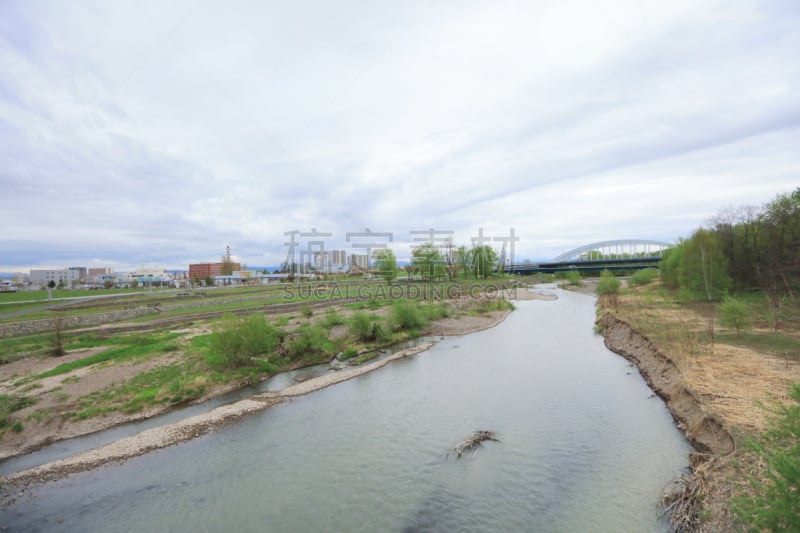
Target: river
(584, 448)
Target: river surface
(584, 448)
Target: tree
(450, 258)
(733, 314)
(463, 259)
(51, 284)
(703, 267)
(483, 257)
(386, 263)
(226, 268)
(209, 281)
(669, 269)
(427, 261)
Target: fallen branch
(470, 444)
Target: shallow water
(583, 448)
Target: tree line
(741, 248)
(430, 262)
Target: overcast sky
(156, 133)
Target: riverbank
(713, 391)
(202, 424)
(186, 429)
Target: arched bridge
(624, 254)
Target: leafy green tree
(463, 259)
(669, 269)
(776, 503)
(703, 267)
(483, 258)
(608, 283)
(733, 314)
(386, 263)
(209, 281)
(428, 262)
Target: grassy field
(178, 355)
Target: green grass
(10, 403)
(773, 342)
(168, 384)
(13, 348)
(134, 347)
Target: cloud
(139, 132)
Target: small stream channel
(584, 448)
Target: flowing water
(584, 448)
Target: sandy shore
(198, 425)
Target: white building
(65, 276)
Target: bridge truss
(618, 249)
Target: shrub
(486, 305)
(332, 318)
(307, 311)
(608, 283)
(349, 353)
(435, 311)
(776, 503)
(642, 277)
(573, 277)
(309, 340)
(360, 326)
(239, 339)
(733, 314)
(406, 314)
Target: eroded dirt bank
(704, 491)
(702, 429)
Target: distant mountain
(6, 275)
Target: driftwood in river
(470, 444)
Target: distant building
(64, 276)
(104, 271)
(359, 261)
(339, 257)
(201, 271)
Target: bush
(733, 314)
(435, 311)
(573, 277)
(332, 318)
(406, 314)
(309, 340)
(360, 326)
(487, 305)
(776, 503)
(349, 353)
(307, 311)
(608, 283)
(239, 339)
(642, 277)
(364, 328)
